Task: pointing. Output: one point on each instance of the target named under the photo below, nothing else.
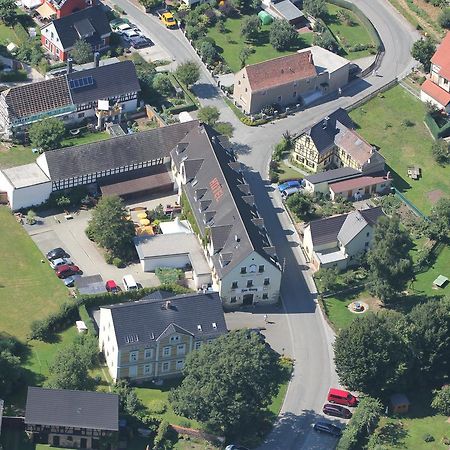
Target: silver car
(60, 262)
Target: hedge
(44, 329)
(436, 131)
(21, 33)
(17, 75)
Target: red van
(342, 397)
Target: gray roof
(288, 10)
(115, 152)
(353, 224)
(111, 80)
(78, 409)
(342, 173)
(149, 319)
(324, 231)
(220, 200)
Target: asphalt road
(307, 336)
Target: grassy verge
(393, 122)
(287, 173)
(230, 44)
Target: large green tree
(47, 134)
(250, 27)
(228, 382)
(188, 73)
(110, 228)
(301, 205)
(372, 354)
(316, 8)
(389, 260)
(422, 51)
(441, 400)
(11, 371)
(439, 226)
(282, 35)
(82, 52)
(441, 152)
(8, 12)
(162, 84)
(208, 114)
(444, 18)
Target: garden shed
(399, 404)
(265, 17)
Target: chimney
(168, 304)
(96, 59)
(325, 122)
(69, 65)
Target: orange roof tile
(282, 70)
(442, 57)
(434, 91)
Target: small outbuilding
(265, 18)
(399, 403)
(440, 282)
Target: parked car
(288, 192)
(129, 283)
(139, 41)
(69, 281)
(57, 253)
(54, 263)
(336, 411)
(342, 397)
(168, 20)
(127, 28)
(290, 184)
(114, 24)
(329, 428)
(67, 270)
(111, 286)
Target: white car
(60, 262)
(127, 30)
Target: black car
(336, 411)
(57, 253)
(329, 428)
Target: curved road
(307, 337)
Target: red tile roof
(282, 70)
(356, 183)
(434, 91)
(442, 57)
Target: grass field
(288, 173)
(29, 289)
(231, 43)
(348, 35)
(393, 121)
(7, 35)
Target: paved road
(308, 339)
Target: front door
(56, 441)
(83, 443)
(247, 299)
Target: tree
(250, 27)
(188, 73)
(326, 40)
(10, 365)
(282, 35)
(371, 354)
(245, 52)
(208, 114)
(129, 402)
(429, 336)
(389, 259)
(8, 12)
(444, 18)
(82, 52)
(329, 278)
(439, 226)
(441, 400)
(30, 52)
(208, 52)
(162, 84)
(224, 128)
(110, 228)
(228, 382)
(422, 51)
(47, 134)
(301, 205)
(441, 152)
(316, 8)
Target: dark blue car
(289, 184)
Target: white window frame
(174, 338)
(167, 351)
(180, 364)
(197, 345)
(165, 367)
(148, 353)
(147, 369)
(181, 349)
(134, 356)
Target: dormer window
(199, 328)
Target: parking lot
(53, 231)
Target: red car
(111, 286)
(342, 397)
(67, 270)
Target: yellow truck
(168, 20)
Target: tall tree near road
(208, 114)
(188, 73)
(422, 51)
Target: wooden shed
(399, 403)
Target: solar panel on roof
(81, 82)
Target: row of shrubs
(45, 329)
(16, 75)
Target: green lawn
(288, 173)
(7, 35)
(29, 288)
(337, 311)
(382, 121)
(231, 43)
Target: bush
(168, 275)
(17, 75)
(157, 407)
(21, 33)
(444, 18)
(428, 438)
(118, 262)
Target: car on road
(67, 271)
(328, 428)
(54, 263)
(290, 184)
(138, 41)
(57, 253)
(168, 20)
(336, 411)
(341, 397)
(112, 287)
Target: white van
(129, 283)
(289, 191)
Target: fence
(410, 205)
(372, 95)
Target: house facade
(151, 338)
(243, 261)
(436, 88)
(362, 187)
(91, 24)
(75, 419)
(340, 241)
(289, 80)
(333, 143)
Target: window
(174, 338)
(261, 268)
(210, 341)
(180, 364)
(234, 285)
(249, 283)
(197, 345)
(148, 353)
(181, 349)
(367, 234)
(165, 367)
(80, 115)
(294, 94)
(167, 351)
(233, 300)
(243, 270)
(279, 98)
(134, 356)
(366, 244)
(265, 296)
(266, 281)
(147, 369)
(246, 90)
